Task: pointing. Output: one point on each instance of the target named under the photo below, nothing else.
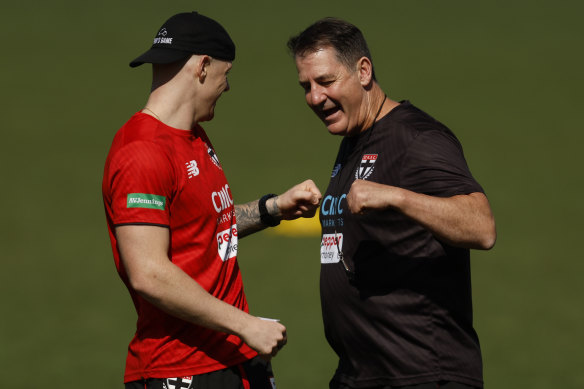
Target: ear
(202, 67)
(365, 68)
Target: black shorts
(429, 385)
(253, 374)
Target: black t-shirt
(405, 316)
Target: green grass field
(505, 76)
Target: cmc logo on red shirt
(222, 200)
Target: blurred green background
(505, 76)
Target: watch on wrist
(265, 217)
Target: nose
(315, 95)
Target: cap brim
(159, 55)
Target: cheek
(353, 102)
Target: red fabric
(158, 175)
(244, 379)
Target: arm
(144, 255)
(299, 201)
(461, 221)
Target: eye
(305, 86)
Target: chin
(336, 129)
(333, 132)
(208, 117)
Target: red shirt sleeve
(141, 179)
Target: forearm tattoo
(248, 216)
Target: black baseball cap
(185, 34)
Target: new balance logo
(192, 168)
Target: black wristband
(265, 217)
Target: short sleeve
(140, 182)
(435, 165)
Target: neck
(170, 107)
(374, 105)
(172, 98)
(377, 106)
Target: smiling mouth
(326, 113)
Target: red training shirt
(158, 175)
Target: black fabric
(257, 372)
(407, 317)
(185, 34)
(265, 216)
(427, 385)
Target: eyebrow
(324, 77)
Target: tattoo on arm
(248, 216)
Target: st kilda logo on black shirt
(366, 166)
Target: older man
(398, 219)
(174, 227)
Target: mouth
(328, 114)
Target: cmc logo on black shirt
(331, 205)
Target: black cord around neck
(378, 111)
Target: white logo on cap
(163, 40)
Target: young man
(174, 228)
(398, 218)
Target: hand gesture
(367, 196)
(301, 200)
(267, 337)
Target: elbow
(139, 283)
(485, 232)
(143, 283)
(488, 242)
(488, 238)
